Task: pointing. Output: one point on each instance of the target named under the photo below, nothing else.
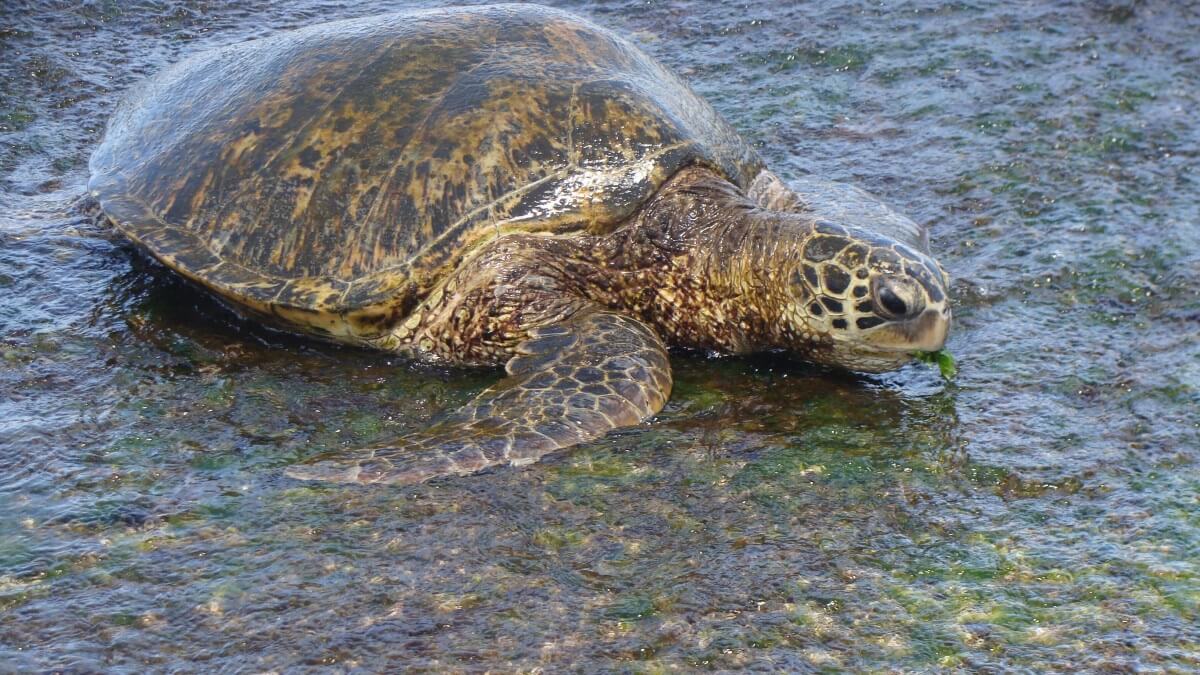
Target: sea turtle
(506, 184)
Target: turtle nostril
(893, 304)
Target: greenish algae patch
(944, 361)
(632, 607)
(15, 120)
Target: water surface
(1040, 512)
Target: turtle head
(862, 301)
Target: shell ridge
(418, 131)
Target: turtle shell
(345, 167)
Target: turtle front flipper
(571, 382)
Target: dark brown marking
(823, 247)
(814, 281)
(866, 322)
(854, 256)
(836, 279)
(309, 157)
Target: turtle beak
(925, 332)
(929, 330)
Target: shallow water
(1039, 512)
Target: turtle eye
(896, 299)
(892, 302)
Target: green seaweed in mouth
(942, 359)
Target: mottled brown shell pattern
(340, 170)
